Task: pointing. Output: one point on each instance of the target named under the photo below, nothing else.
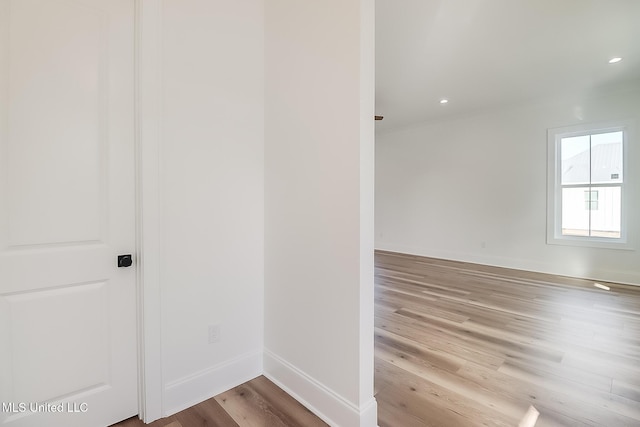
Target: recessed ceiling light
(444, 101)
(614, 60)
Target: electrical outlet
(214, 334)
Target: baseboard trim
(621, 277)
(200, 386)
(328, 405)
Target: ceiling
(482, 54)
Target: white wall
(474, 188)
(318, 205)
(203, 163)
(211, 196)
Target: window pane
(575, 160)
(606, 158)
(605, 221)
(575, 218)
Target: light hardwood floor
(466, 345)
(258, 402)
(462, 345)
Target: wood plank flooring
(461, 345)
(257, 403)
(467, 345)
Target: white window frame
(554, 188)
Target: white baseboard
(327, 404)
(369, 414)
(200, 386)
(626, 278)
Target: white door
(67, 200)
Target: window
(587, 196)
(591, 200)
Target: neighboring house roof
(606, 160)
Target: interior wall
(211, 196)
(474, 188)
(318, 206)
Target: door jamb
(148, 110)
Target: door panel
(67, 209)
(56, 132)
(80, 354)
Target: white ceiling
(488, 53)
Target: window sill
(590, 242)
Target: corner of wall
(200, 386)
(328, 405)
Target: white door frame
(148, 110)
